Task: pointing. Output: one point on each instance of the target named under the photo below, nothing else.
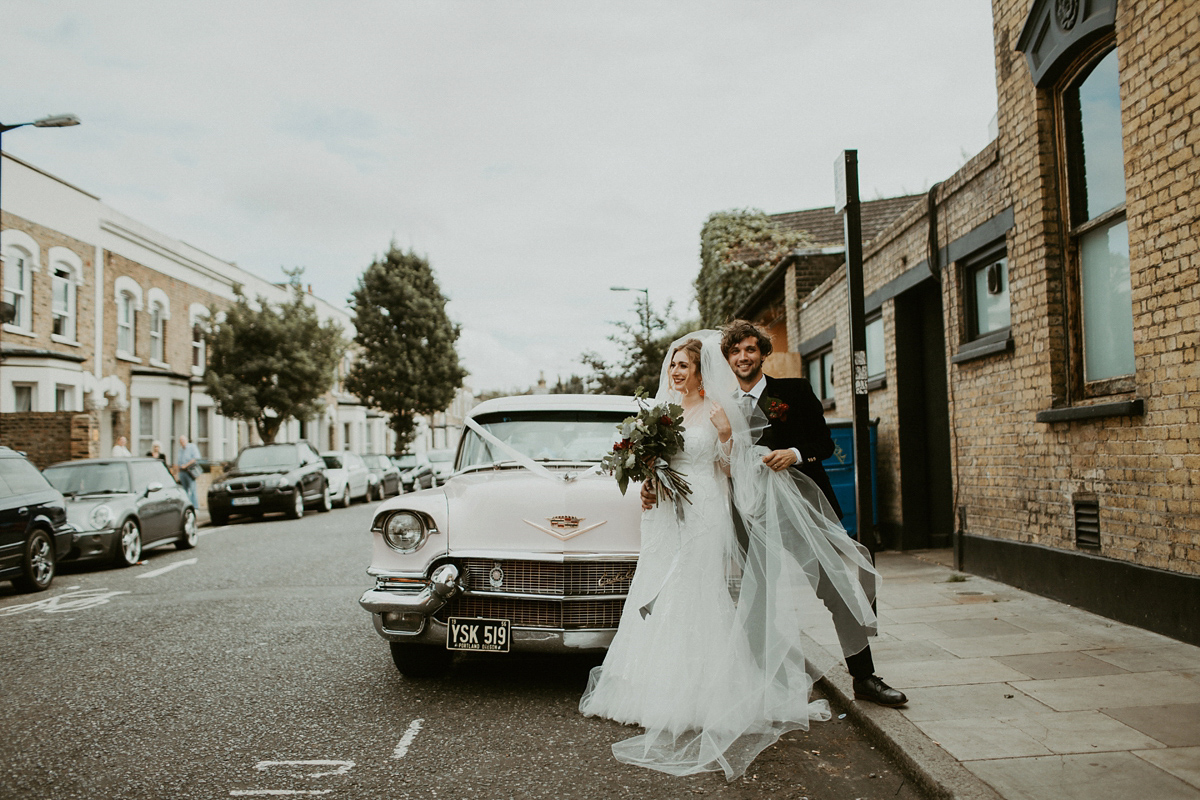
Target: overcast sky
(536, 152)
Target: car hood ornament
(564, 527)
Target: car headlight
(102, 517)
(284, 483)
(405, 532)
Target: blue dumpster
(840, 469)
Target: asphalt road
(245, 668)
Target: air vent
(1087, 521)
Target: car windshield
(407, 461)
(543, 436)
(332, 462)
(77, 479)
(376, 461)
(269, 457)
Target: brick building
(106, 315)
(1035, 317)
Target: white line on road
(155, 573)
(275, 792)
(414, 728)
(342, 766)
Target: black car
(415, 471)
(120, 506)
(271, 477)
(34, 532)
(385, 476)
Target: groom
(798, 437)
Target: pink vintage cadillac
(528, 546)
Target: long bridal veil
(795, 551)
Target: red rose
(665, 419)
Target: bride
(707, 657)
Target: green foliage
(408, 364)
(737, 250)
(648, 440)
(271, 363)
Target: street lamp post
(7, 310)
(646, 305)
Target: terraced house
(1033, 362)
(105, 337)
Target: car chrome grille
(586, 614)
(571, 579)
(588, 587)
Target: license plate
(487, 635)
(245, 501)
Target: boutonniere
(776, 409)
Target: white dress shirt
(756, 392)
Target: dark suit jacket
(802, 427)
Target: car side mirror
(154, 487)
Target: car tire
(344, 502)
(326, 500)
(38, 564)
(420, 660)
(296, 510)
(191, 536)
(129, 544)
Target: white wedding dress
(681, 664)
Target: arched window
(198, 316)
(157, 333)
(129, 302)
(18, 285)
(66, 276)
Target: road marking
(61, 604)
(342, 766)
(155, 573)
(275, 792)
(414, 728)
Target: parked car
(348, 477)
(385, 478)
(34, 531)
(415, 471)
(121, 506)
(512, 553)
(442, 462)
(271, 477)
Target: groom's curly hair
(741, 329)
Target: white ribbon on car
(506, 448)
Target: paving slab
(1100, 776)
(1016, 644)
(1182, 762)
(1113, 691)
(1048, 666)
(1173, 725)
(950, 672)
(1145, 658)
(969, 702)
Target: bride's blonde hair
(693, 348)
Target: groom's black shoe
(875, 690)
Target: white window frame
(128, 295)
(32, 388)
(62, 259)
(198, 315)
(16, 244)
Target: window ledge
(197, 371)
(126, 357)
(876, 383)
(829, 403)
(1126, 408)
(977, 349)
(19, 331)
(154, 362)
(54, 337)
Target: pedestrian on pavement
(189, 468)
(156, 451)
(119, 450)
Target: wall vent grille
(1087, 521)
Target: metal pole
(846, 178)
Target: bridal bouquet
(648, 440)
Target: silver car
(121, 506)
(528, 546)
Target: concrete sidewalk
(1012, 695)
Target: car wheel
(129, 544)
(345, 501)
(297, 509)
(37, 564)
(190, 535)
(420, 660)
(326, 500)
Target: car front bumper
(268, 502)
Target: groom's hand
(648, 496)
(779, 459)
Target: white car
(442, 462)
(348, 477)
(528, 546)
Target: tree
(737, 250)
(408, 364)
(643, 349)
(271, 363)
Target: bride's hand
(721, 422)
